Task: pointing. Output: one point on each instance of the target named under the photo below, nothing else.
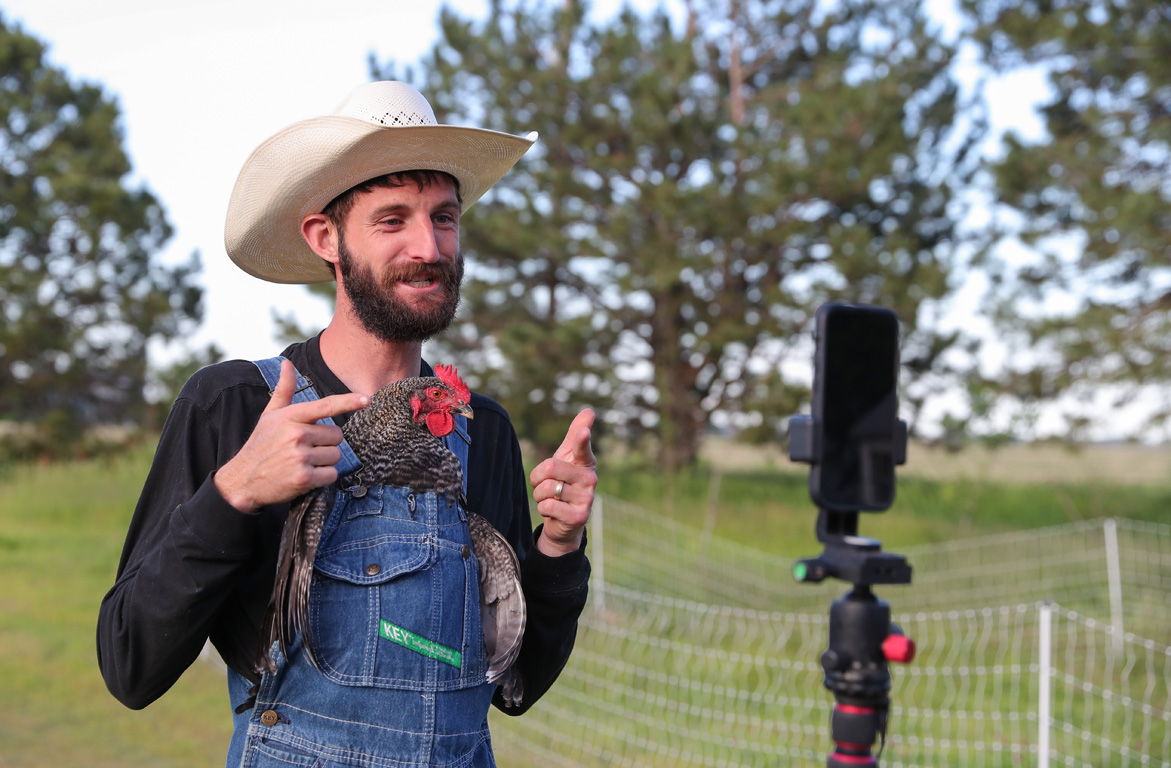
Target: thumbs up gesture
(563, 487)
(288, 452)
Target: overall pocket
(266, 753)
(395, 602)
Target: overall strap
(458, 442)
(271, 370)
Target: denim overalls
(395, 614)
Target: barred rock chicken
(398, 440)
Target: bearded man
(370, 196)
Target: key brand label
(419, 644)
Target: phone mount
(862, 638)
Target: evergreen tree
(1092, 199)
(700, 186)
(80, 290)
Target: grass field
(61, 531)
(762, 498)
(1013, 463)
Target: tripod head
(847, 556)
(853, 441)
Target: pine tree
(1091, 200)
(699, 187)
(81, 290)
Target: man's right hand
(288, 453)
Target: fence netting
(699, 652)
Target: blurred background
(708, 173)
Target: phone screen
(855, 407)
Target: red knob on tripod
(898, 648)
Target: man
(370, 196)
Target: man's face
(399, 260)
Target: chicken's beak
(466, 412)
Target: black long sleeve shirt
(194, 567)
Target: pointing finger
(314, 410)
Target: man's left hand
(563, 488)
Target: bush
(57, 438)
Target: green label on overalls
(409, 640)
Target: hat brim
(301, 169)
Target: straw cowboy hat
(380, 128)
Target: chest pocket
(395, 595)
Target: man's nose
(421, 244)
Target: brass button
(466, 552)
(373, 569)
(270, 718)
(359, 491)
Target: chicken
(398, 439)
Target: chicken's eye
(436, 394)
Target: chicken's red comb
(450, 376)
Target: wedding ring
(560, 488)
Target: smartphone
(855, 407)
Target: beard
(387, 317)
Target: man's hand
(563, 488)
(288, 453)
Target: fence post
(597, 557)
(1114, 579)
(1044, 698)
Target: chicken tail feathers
(288, 609)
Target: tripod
(862, 638)
(853, 440)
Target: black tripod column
(861, 642)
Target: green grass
(771, 510)
(61, 534)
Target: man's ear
(321, 235)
